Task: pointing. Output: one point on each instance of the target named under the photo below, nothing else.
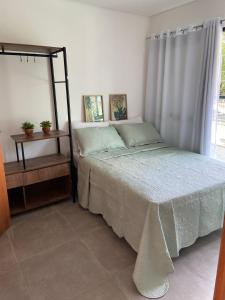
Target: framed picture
(93, 108)
(118, 107)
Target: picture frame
(118, 107)
(93, 108)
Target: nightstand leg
(58, 145)
(17, 152)
(73, 183)
(24, 164)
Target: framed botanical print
(93, 108)
(118, 107)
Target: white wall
(193, 13)
(106, 54)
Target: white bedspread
(159, 198)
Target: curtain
(182, 85)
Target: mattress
(159, 198)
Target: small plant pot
(46, 130)
(29, 132)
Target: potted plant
(28, 128)
(46, 127)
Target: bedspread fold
(153, 262)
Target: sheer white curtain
(182, 85)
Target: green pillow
(138, 134)
(96, 139)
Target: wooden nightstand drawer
(14, 180)
(44, 174)
(45, 180)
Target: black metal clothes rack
(50, 53)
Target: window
(222, 86)
(219, 113)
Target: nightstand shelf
(38, 136)
(35, 163)
(45, 180)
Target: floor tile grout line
(86, 246)
(95, 258)
(59, 245)
(22, 222)
(50, 248)
(64, 217)
(109, 274)
(70, 224)
(19, 266)
(91, 255)
(83, 239)
(28, 288)
(47, 250)
(113, 275)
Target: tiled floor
(63, 252)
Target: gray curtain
(183, 83)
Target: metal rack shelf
(51, 53)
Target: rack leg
(17, 152)
(73, 182)
(69, 124)
(24, 164)
(24, 197)
(54, 99)
(58, 146)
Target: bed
(159, 198)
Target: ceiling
(140, 7)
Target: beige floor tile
(81, 219)
(185, 285)
(65, 206)
(112, 252)
(67, 253)
(36, 214)
(63, 272)
(126, 284)
(106, 291)
(12, 286)
(37, 235)
(201, 258)
(7, 257)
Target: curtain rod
(182, 30)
